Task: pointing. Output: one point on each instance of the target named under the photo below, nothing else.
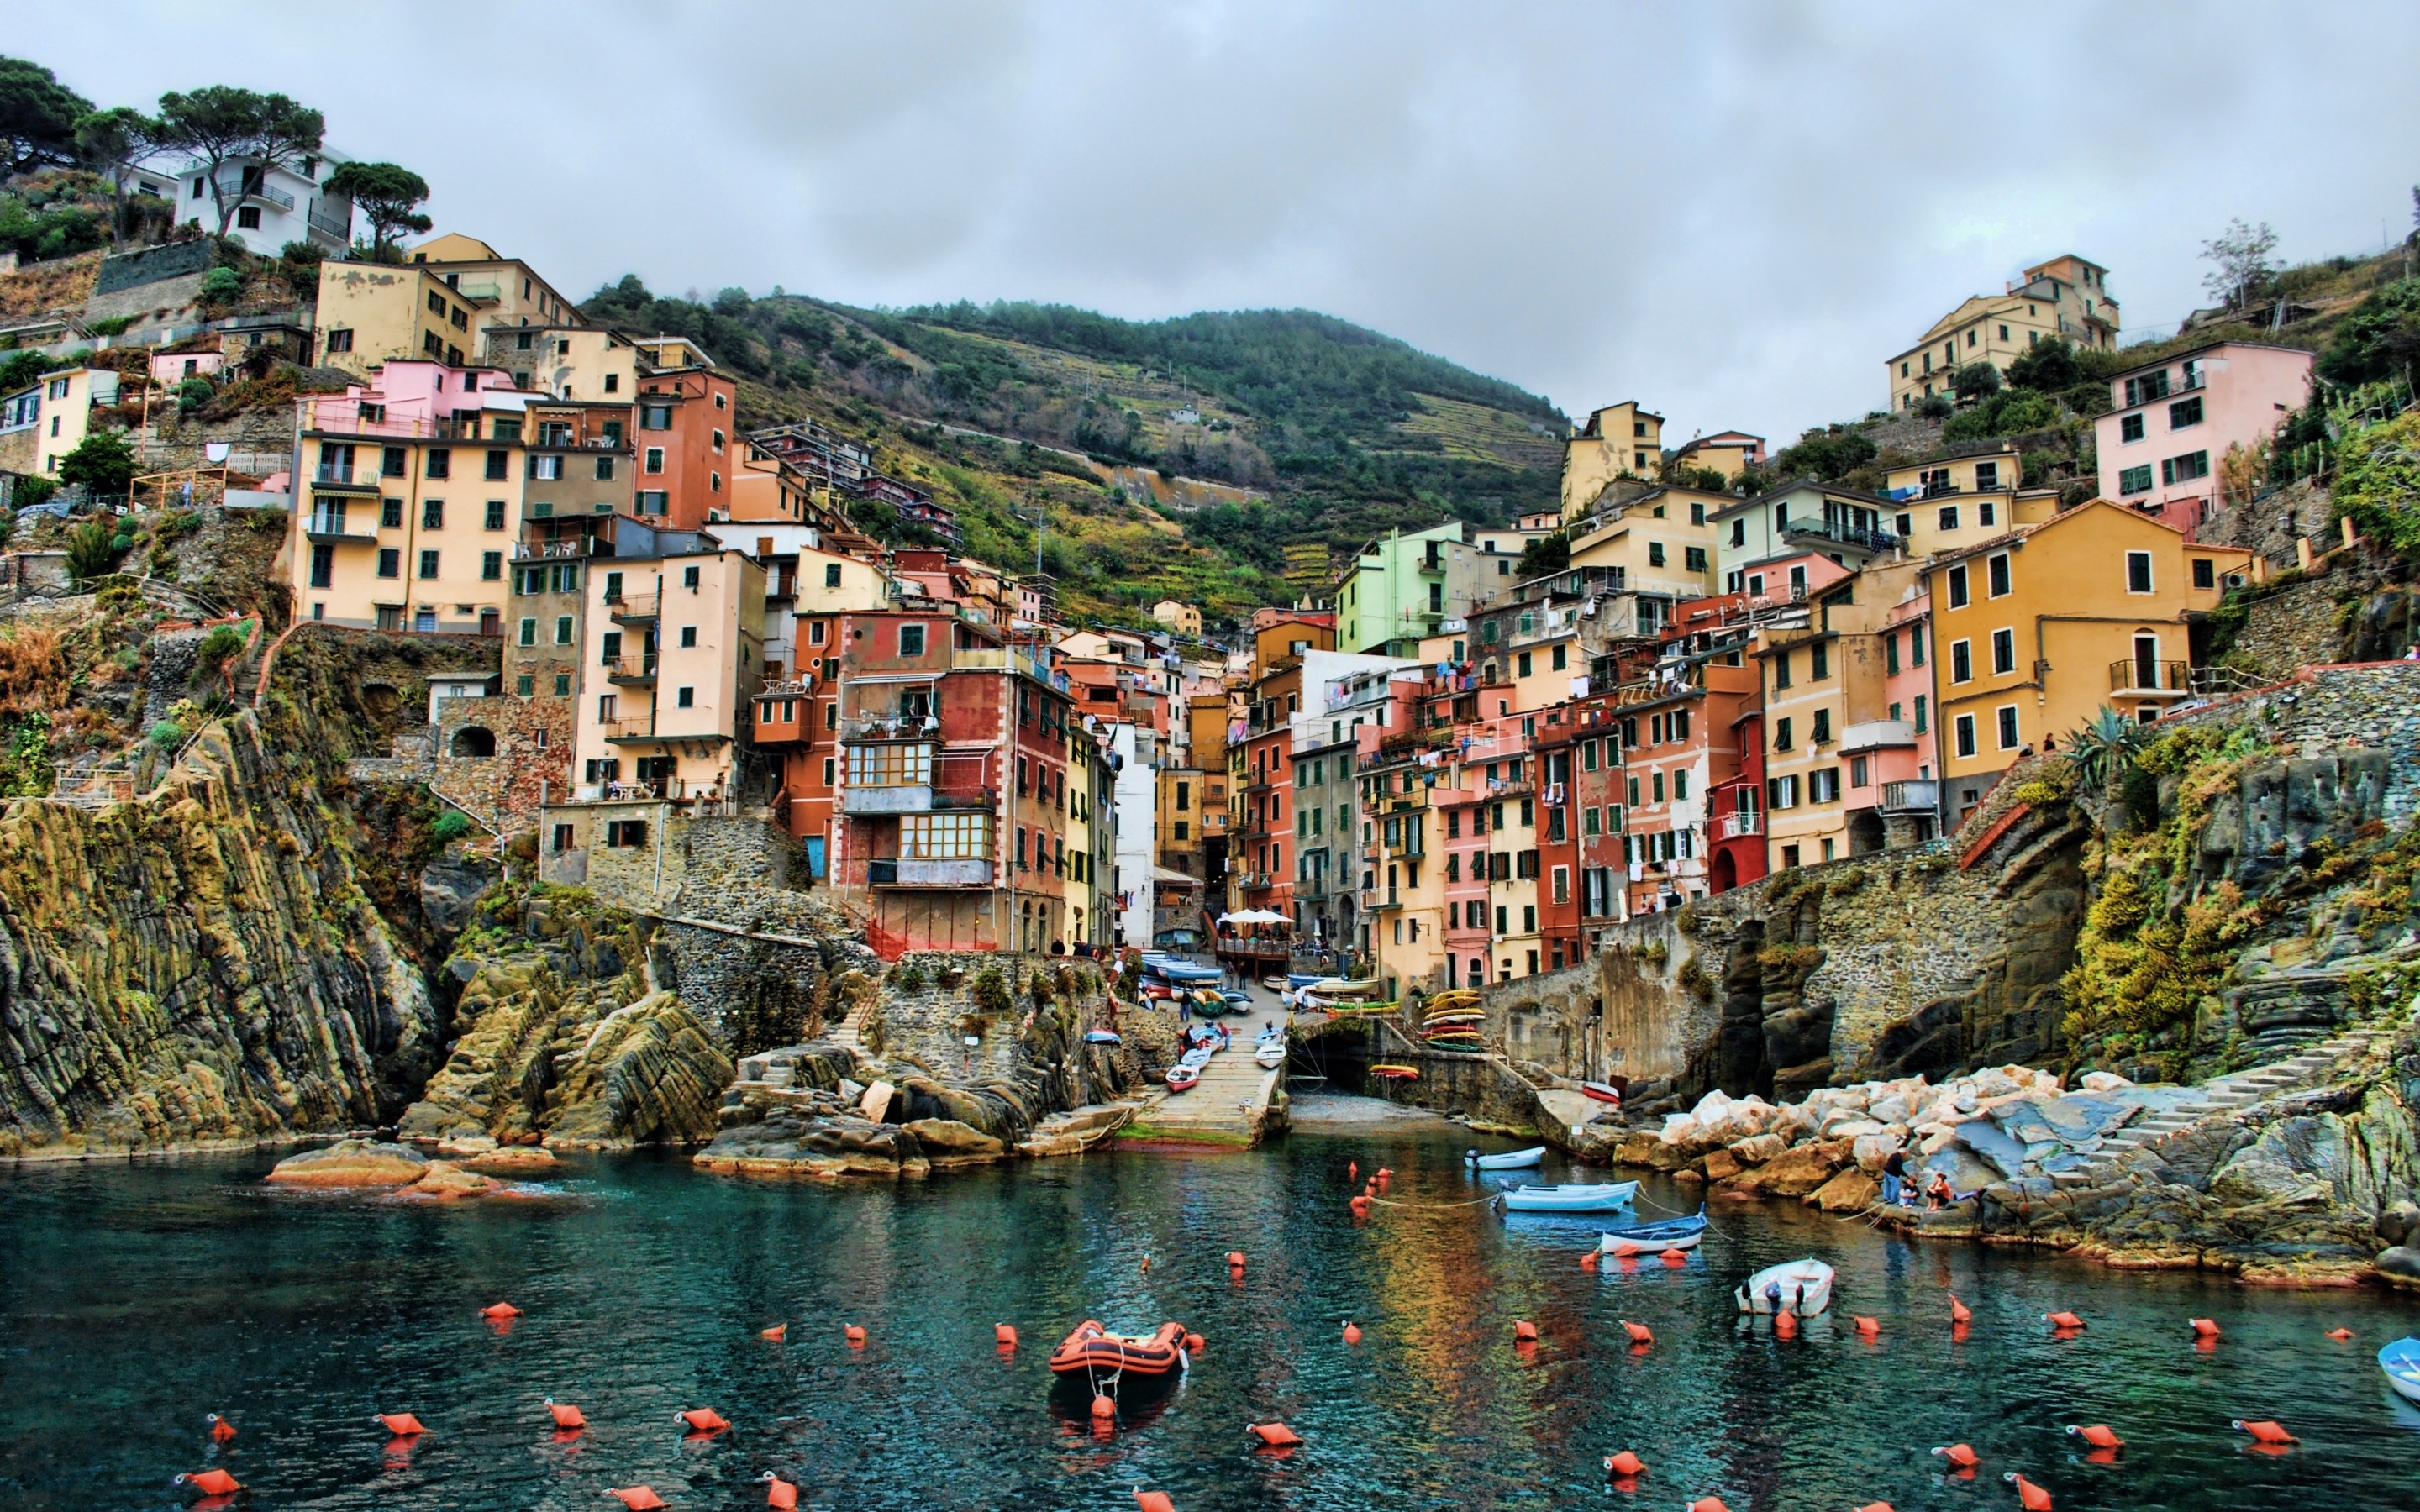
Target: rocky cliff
(202, 963)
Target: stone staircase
(2223, 1097)
(847, 1032)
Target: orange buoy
(1195, 1344)
(2203, 1328)
(1152, 1501)
(1622, 1249)
(775, 1334)
(222, 1431)
(1353, 1170)
(778, 1493)
(1959, 1311)
(703, 1420)
(1639, 1333)
(2031, 1496)
(566, 1417)
(1525, 1333)
(1146, 1265)
(2062, 1320)
(1707, 1504)
(496, 1312)
(1235, 1259)
(1587, 1261)
(2265, 1432)
(1273, 1435)
(2097, 1435)
(211, 1482)
(1675, 1259)
(855, 1334)
(1003, 1333)
(1785, 1325)
(1961, 1456)
(2340, 1335)
(1352, 1332)
(1104, 1409)
(1866, 1327)
(402, 1425)
(1361, 1207)
(636, 1498)
(1625, 1464)
(1875, 1506)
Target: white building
(1134, 752)
(274, 205)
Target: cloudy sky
(1732, 213)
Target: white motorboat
(1571, 1196)
(1510, 1160)
(1803, 1287)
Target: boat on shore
(1510, 1160)
(1184, 1078)
(2400, 1359)
(1093, 1353)
(1569, 1196)
(1803, 1287)
(1657, 1236)
(1602, 1092)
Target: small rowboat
(1605, 1196)
(1270, 1055)
(1510, 1160)
(1396, 1074)
(1602, 1093)
(1656, 1238)
(1804, 1287)
(2400, 1359)
(1182, 1078)
(1093, 1350)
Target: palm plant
(2103, 748)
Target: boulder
(1757, 1150)
(465, 1146)
(787, 1143)
(2399, 1266)
(2400, 1222)
(1639, 1147)
(1794, 1172)
(2103, 1082)
(948, 1142)
(1852, 1191)
(1871, 1151)
(516, 1160)
(1850, 1127)
(1719, 1165)
(352, 1163)
(444, 1181)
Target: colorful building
(2172, 423)
(2065, 298)
(1402, 587)
(1619, 442)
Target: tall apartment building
(1621, 441)
(437, 307)
(2066, 298)
(1402, 587)
(2171, 424)
(275, 203)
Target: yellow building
(1182, 618)
(1730, 453)
(2035, 632)
(1959, 501)
(1403, 863)
(1658, 546)
(1620, 441)
(41, 424)
(675, 650)
(438, 306)
(2065, 298)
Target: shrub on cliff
(990, 993)
(2378, 482)
(451, 825)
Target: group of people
(1898, 1190)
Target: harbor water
(141, 1296)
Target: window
(2130, 428)
(1694, 557)
(1823, 785)
(688, 578)
(492, 566)
(686, 698)
(1915, 645)
(1995, 576)
(391, 462)
(831, 575)
(1988, 513)
(428, 564)
(1948, 517)
(1857, 771)
(2138, 572)
(1781, 740)
(655, 416)
(1655, 553)
(911, 639)
(2135, 480)
(2008, 722)
(1558, 658)
(1987, 477)
(1961, 661)
(2147, 388)
(655, 462)
(2205, 573)
(1964, 725)
(1890, 654)
(655, 502)
(1739, 531)
(604, 470)
(1819, 661)
(546, 469)
(391, 514)
(432, 513)
(563, 630)
(1958, 586)
(499, 467)
(248, 217)
(2185, 469)
(390, 562)
(1524, 664)
(1780, 671)
(2004, 651)
(339, 340)
(1919, 714)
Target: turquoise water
(140, 1297)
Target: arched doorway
(473, 740)
(1722, 875)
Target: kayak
(1396, 1074)
(1600, 1091)
(1806, 1288)
(2400, 1359)
(1604, 1196)
(1656, 1238)
(1511, 1159)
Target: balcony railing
(1913, 795)
(1875, 735)
(1735, 826)
(338, 528)
(1375, 898)
(1859, 535)
(338, 226)
(234, 189)
(633, 611)
(340, 475)
(889, 727)
(632, 671)
(2151, 679)
(920, 872)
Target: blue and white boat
(1605, 1196)
(1510, 1160)
(2400, 1359)
(1656, 1238)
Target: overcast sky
(1732, 213)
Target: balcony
(632, 672)
(236, 189)
(633, 611)
(1877, 734)
(342, 475)
(641, 727)
(324, 526)
(929, 872)
(1846, 534)
(550, 551)
(1738, 826)
(1913, 795)
(339, 227)
(860, 800)
(873, 727)
(2146, 678)
(1374, 900)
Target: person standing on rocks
(1894, 1177)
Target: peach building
(2173, 421)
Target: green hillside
(1311, 428)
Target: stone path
(1230, 1105)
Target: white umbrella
(1255, 916)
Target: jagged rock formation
(203, 964)
(564, 1038)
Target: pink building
(2162, 444)
(1896, 771)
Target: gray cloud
(1732, 212)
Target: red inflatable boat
(1095, 1349)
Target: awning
(1255, 916)
(1162, 873)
